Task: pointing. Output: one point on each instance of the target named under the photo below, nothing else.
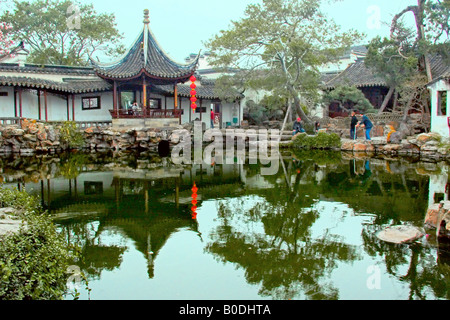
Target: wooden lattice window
(442, 103)
(91, 103)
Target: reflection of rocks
(427, 145)
(438, 217)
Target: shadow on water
(294, 234)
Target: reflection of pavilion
(147, 207)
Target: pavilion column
(20, 103)
(15, 102)
(116, 109)
(144, 96)
(46, 105)
(68, 107)
(175, 90)
(73, 107)
(39, 104)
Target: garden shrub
(320, 141)
(71, 136)
(33, 262)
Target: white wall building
(440, 105)
(105, 92)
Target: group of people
(355, 124)
(365, 123)
(298, 127)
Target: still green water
(308, 232)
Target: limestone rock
(360, 147)
(8, 223)
(400, 234)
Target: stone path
(8, 224)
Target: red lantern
(193, 86)
(194, 202)
(193, 93)
(193, 99)
(194, 106)
(193, 79)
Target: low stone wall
(426, 145)
(127, 139)
(30, 137)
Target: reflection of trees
(285, 259)
(422, 275)
(95, 257)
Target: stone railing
(9, 121)
(85, 124)
(80, 124)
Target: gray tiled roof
(204, 91)
(357, 74)
(46, 69)
(155, 62)
(72, 86)
(440, 68)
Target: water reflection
(308, 232)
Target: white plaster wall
(439, 124)
(7, 103)
(437, 185)
(102, 114)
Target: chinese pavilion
(144, 68)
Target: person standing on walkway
(353, 126)
(212, 117)
(367, 124)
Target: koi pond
(152, 230)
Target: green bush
(70, 135)
(320, 141)
(33, 262)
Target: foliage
(414, 95)
(320, 141)
(50, 28)
(278, 47)
(5, 39)
(386, 60)
(349, 98)
(33, 262)
(269, 108)
(71, 166)
(70, 135)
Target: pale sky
(181, 26)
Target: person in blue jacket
(367, 124)
(298, 127)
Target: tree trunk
(288, 113)
(297, 108)
(386, 100)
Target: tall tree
(432, 26)
(402, 57)
(63, 32)
(392, 60)
(5, 38)
(279, 46)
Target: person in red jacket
(212, 117)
